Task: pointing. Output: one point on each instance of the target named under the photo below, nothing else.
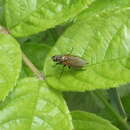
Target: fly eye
(54, 58)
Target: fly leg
(56, 64)
(62, 71)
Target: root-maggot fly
(69, 60)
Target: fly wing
(76, 62)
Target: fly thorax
(63, 58)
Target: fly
(69, 60)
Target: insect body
(69, 60)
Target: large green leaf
(28, 17)
(89, 121)
(10, 63)
(34, 106)
(103, 41)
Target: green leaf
(103, 41)
(34, 106)
(89, 121)
(10, 63)
(28, 17)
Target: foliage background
(31, 93)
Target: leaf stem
(121, 121)
(3, 30)
(38, 74)
(116, 102)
